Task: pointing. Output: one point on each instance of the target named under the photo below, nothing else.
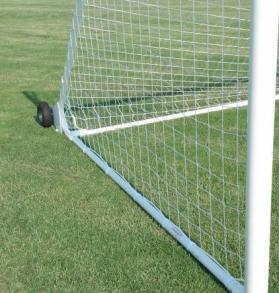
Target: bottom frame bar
(148, 121)
(206, 260)
(190, 113)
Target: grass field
(66, 227)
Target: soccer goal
(156, 93)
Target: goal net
(156, 90)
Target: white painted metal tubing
(206, 260)
(262, 84)
(227, 106)
(71, 51)
(84, 132)
(211, 264)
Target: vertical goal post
(158, 94)
(261, 114)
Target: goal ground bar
(233, 285)
(227, 106)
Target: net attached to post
(131, 64)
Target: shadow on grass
(176, 91)
(34, 99)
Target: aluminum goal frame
(261, 107)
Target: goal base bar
(206, 260)
(226, 106)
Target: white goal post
(158, 94)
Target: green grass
(64, 226)
(136, 62)
(164, 163)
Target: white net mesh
(130, 61)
